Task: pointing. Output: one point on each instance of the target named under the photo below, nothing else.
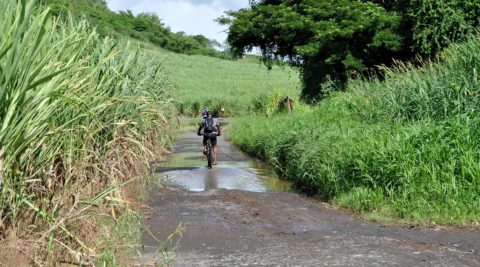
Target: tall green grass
(79, 116)
(407, 146)
(200, 81)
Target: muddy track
(268, 227)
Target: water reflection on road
(186, 168)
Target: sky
(190, 16)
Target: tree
(428, 26)
(145, 26)
(325, 39)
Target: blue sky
(190, 16)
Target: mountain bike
(209, 153)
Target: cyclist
(211, 129)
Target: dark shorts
(212, 137)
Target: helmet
(205, 113)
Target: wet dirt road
(236, 215)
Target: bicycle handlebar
(204, 134)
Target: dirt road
(235, 215)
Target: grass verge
(406, 146)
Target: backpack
(210, 125)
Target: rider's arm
(219, 130)
(199, 129)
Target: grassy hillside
(200, 81)
(407, 146)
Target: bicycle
(209, 153)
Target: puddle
(186, 168)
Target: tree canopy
(327, 39)
(331, 40)
(146, 27)
(428, 26)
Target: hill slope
(200, 81)
(145, 27)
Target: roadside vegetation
(402, 146)
(81, 116)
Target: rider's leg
(204, 144)
(215, 152)
(215, 149)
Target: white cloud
(189, 16)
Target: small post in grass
(288, 102)
(221, 114)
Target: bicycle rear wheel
(209, 154)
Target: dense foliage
(332, 40)
(406, 145)
(428, 26)
(327, 38)
(145, 27)
(79, 115)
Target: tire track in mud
(274, 228)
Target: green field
(404, 148)
(200, 81)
